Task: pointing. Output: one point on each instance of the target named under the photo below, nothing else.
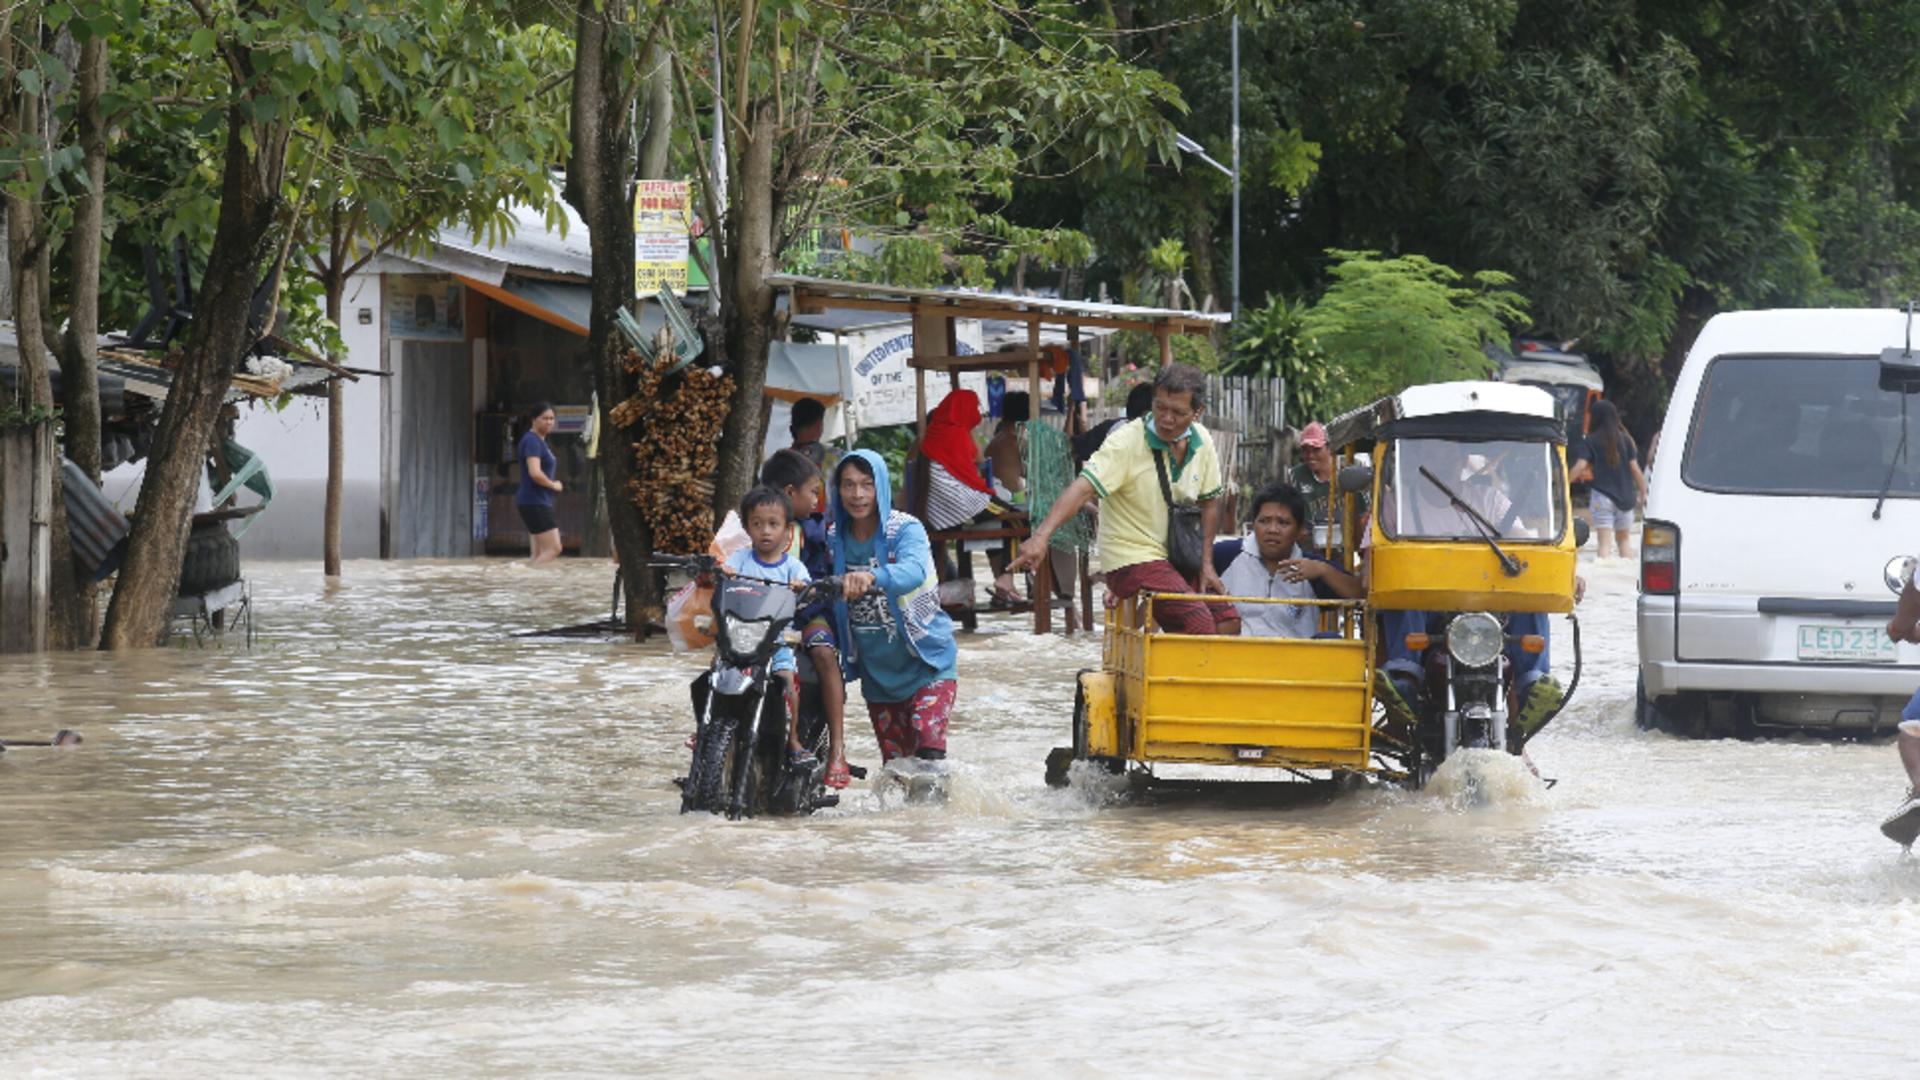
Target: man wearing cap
(1312, 475)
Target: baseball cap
(1314, 434)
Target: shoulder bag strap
(1160, 466)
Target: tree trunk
(748, 315)
(336, 284)
(217, 340)
(28, 262)
(597, 187)
(656, 145)
(76, 618)
(1205, 278)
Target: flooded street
(393, 837)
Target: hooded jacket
(905, 574)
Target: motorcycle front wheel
(703, 790)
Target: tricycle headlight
(1475, 639)
(745, 636)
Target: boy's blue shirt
(817, 556)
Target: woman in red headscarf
(956, 491)
(957, 494)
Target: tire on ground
(212, 560)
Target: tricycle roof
(1464, 410)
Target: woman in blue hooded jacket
(895, 639)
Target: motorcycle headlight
(1475, 639)
(744, 637)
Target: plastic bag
(731, 538)
(690, 609)
(690, 617)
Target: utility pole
(1236, 168)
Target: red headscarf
(949, 438)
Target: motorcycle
(1470, 699)
(740, 766)
(1471, 532)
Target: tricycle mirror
(1581, 531)
(1356, 479)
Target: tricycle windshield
(1447, 489)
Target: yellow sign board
(662, 218)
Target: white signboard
(425, 307)
(883, 383)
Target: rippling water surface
(395, 837)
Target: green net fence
(1050, 469)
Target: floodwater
(393, 838)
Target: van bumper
(1664, 678)
(1788, 692)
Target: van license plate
(1859, 644)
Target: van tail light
(1660, 559)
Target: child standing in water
(793, 475)
(768, 518)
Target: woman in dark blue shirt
(534, 500)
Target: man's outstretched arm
(1064, 507)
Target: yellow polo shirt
(1133, 513)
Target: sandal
(838, 775)
(800, 759)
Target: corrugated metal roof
(1013, 305)
(565, 248)
(112, 388)
(121, 374)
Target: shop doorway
(432, 474)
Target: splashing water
(1486, 778)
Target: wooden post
(920, 401)
(1033, 369)
(930, 333)
(1165, 334)
(1043, 574)
(1043, 595)
(26, 536)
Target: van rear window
(1800, 426)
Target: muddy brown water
(393, 837)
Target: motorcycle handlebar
(818, 588)
(662, 561)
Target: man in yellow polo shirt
(1133, 511)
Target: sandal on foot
(800, 759)
(1542, 704)
(838, 775)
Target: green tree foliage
(908, 123)
(1390, 323)
(1635, 167)
(263, 100)
(1271, 341)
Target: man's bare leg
(1909, 742)
(833, 699)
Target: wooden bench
(1013, 530)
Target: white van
(1770, 560)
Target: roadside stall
(936, 316)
